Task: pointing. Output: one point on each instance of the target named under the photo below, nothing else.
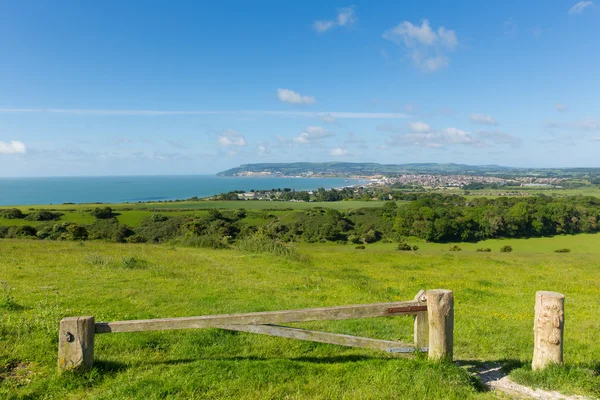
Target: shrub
(134, 263)
(565, 250)
(205, 241)
(12, 213)
(136, 239)
(156, 217)
(240, 214)
(506, 249)
(360, 247)
(404, 247)
(23, 231)
(77, 232)
(415, 248)
(122, 233)
(102, 212)
(43, 215)
(484, 250)
(455, 248)
(264, 244)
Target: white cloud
(561, 107)
(289, 96)
(345, 17)
(483, 119)
(498, 137)
(419, 127)
(313, 134)
(427, 48)
(587, 124)
(231, 138)
(449, 136)
(14, 147)
(328, 118)
(338, 152)
(579, 7)
(242, 113)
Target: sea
(130, 189)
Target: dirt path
(492, 376)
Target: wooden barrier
(433, 311)
(548, 329)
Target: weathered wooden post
(440, 311)
(76, 343)
(421, 323)
(548, 329)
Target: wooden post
(76, 343)
(421, 323)
(440, 310)
(548, 329)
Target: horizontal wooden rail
(411, 307)
(321, 337)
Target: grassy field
(45, 281)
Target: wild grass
(494, 292)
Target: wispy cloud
(419, 127)
(153, 113)
(561, 107)
(446, 137)
(483, 119)
(338, 152)
(289, 96)
(427, 48)
(579, 7)
(345, 17)
(313, 134)
(498, 137)
(231, 138)
(13, 147)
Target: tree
(102, 212)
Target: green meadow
(44, 281)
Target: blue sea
(122, 189)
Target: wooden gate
(433, 327)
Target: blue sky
(191, 87)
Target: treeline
(453, 218)
(431, 217)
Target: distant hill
(356, 169)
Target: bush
(484, 250)
(455, 248)
(360, 247)
(12, 213)
(565, 250)
(415, 248)
(134, 263)
(102, 213)
(136, 239)
(122, 233)
(43, 215)
(404, 247)
(77, 232)
(156, 217)
(205, 241)
(506, 249)
(22, 231)
(264, 244)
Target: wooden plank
(261, 318)
(76, 344)
(421, 326)
(548, 328)
(440, 308)
(315, 336)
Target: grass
(494, 295)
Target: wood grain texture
(548, 329)
(314, 336)
(421, 324)
(76, 343)
(261, 318)
(440, 309)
